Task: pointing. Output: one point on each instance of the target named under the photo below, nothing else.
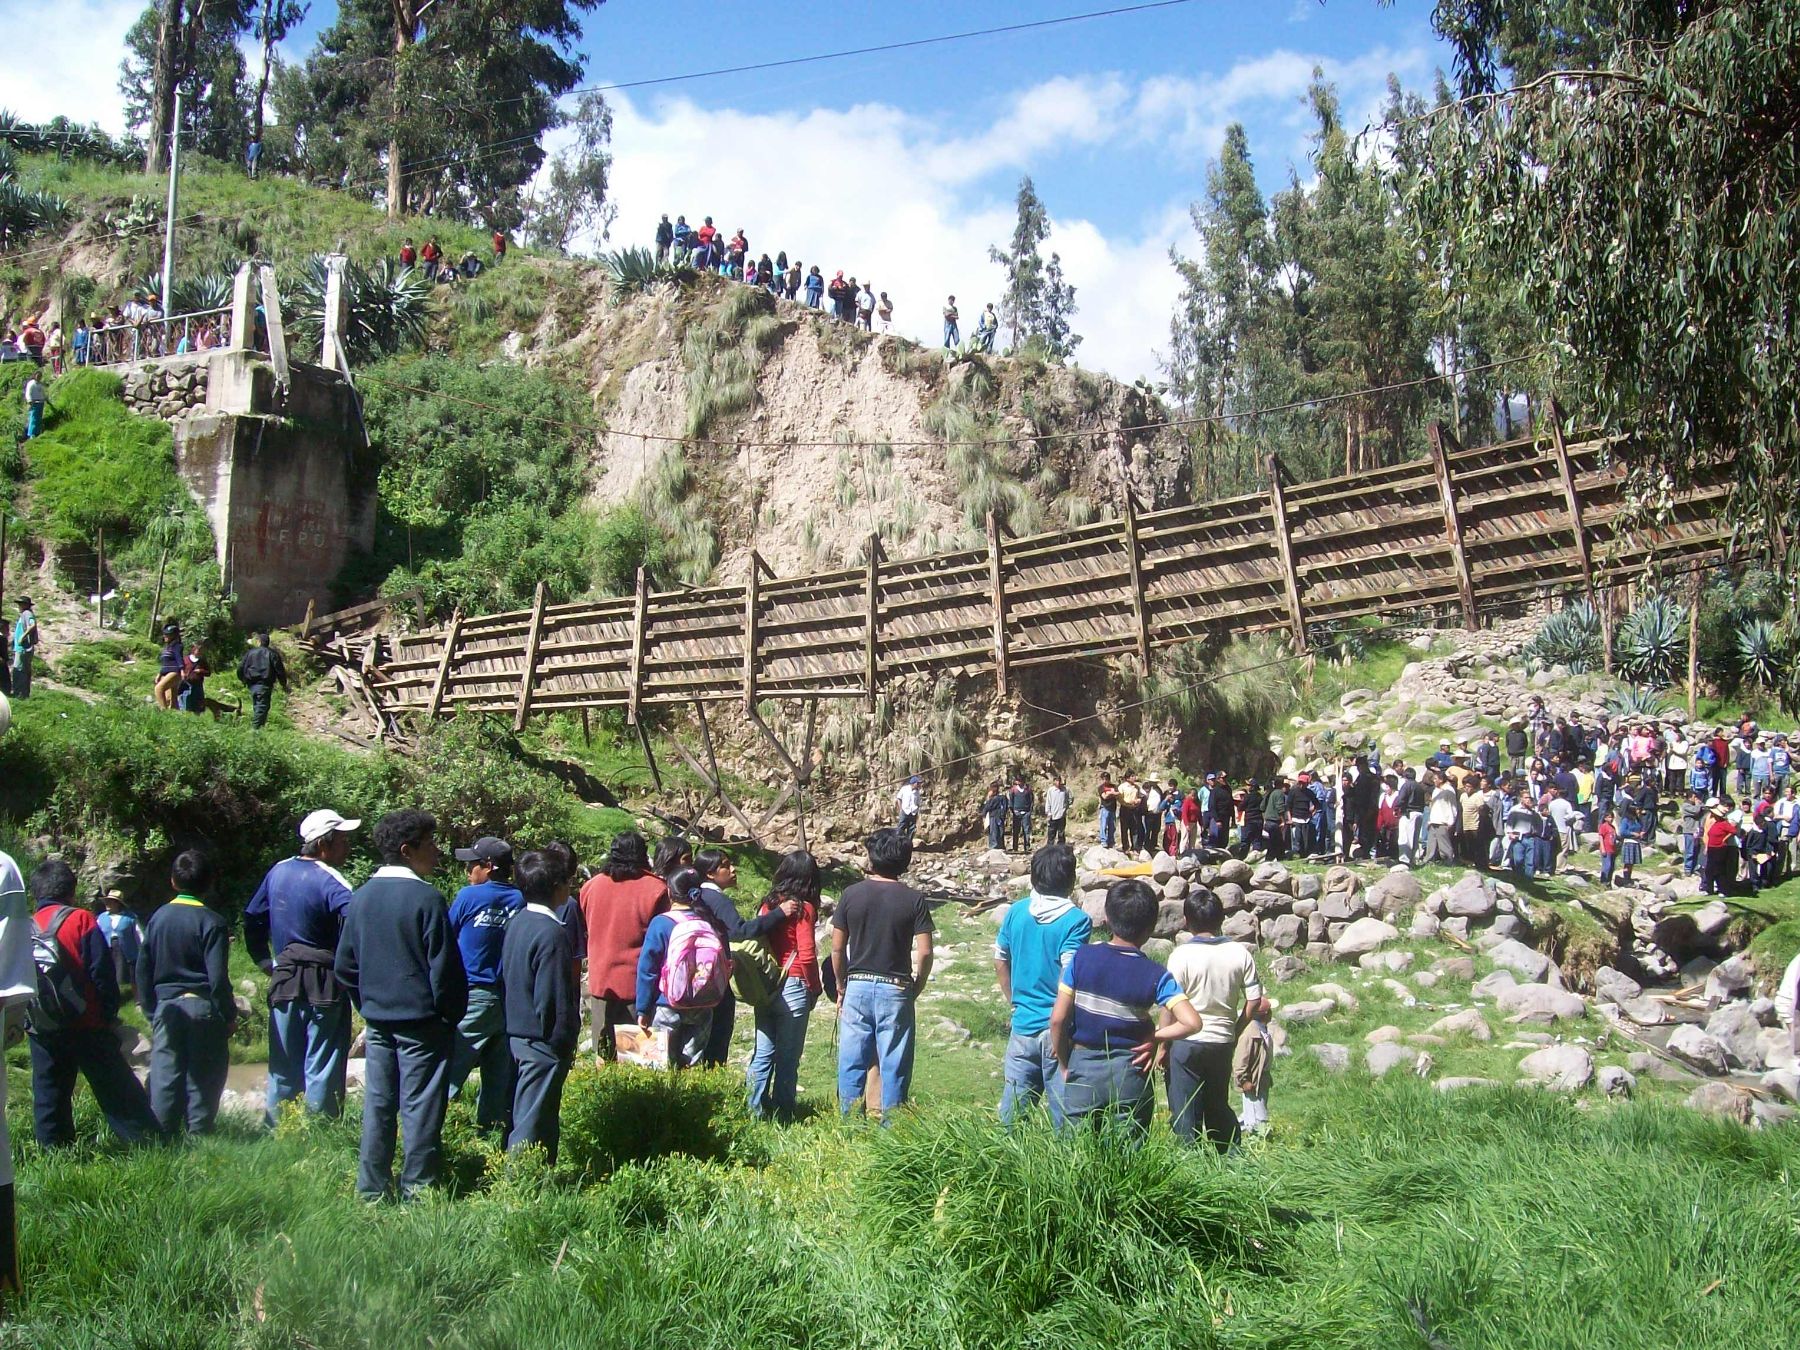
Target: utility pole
(168, 268)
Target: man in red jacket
(89, 1043)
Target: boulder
(1342, 906)
(1394, 892)
(1615, 987)
(1159, 950)
(1469, 899)
(1383, 1058)
(1712, 918)
(1285, 968)
(1335, 1058)
(1305, 1011)
(1308, 886)
(1735, 1027)
(1762, 1009)
(1494, 984)
(1509, 926)
(1454, 968)
(1284, 932)
(1469, 1022)
(1730, 979)
(1426, 979)
(1783, 1083)
(1272, 876)
(1342, 879)
(1305, 908)
(1162, 867)
(1097, 859)
(1695, 1048)
(1394, 963)
(1171, 918)
(1515, 956)
(1240, 927)
(1336, 993)
(1455, 927)
(1175, 888)
(1560, 1068)
(1365, 935)
(1539, 1002)
(1457, 1083)
(1646, 1012)
(1724, 1101)
(1383, 1036)
(1230, 896)
(1615, 1082)
(1317, 929)
(1269, 902)
(1318, 951)
(1093, 904)
(1235, 871)
(1424, 926)
(1769, 1115)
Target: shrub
(634, 270)
(1569, 638)
(1635, 703)
(388, 306)
(615, 1114)
(1763, 653)
(1652, 642)
(97, 466)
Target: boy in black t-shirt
(881, 953)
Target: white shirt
(1056, 803)
(1219, 977)
(908, 797)
(1787, 992)
(34, 391)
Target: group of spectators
(436, 264)
(706, 248)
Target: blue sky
(902, 166)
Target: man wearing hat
(1518, 744)
(1719, 870)
(479, 916)
(907, 798)
(291, 930)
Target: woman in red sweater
(617, 906)
(1718, 872)
(781, 1023)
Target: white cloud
(72, 67)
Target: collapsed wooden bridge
(1463, 531)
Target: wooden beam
(643, 735)
(639, 618)
(871, 615)
(528, 670)
(451, 634)
(1284, 548)
(997, 591)
(1693, 671)
(1465, 582)
(750, 606)
(1566, 472)
(1135, 570)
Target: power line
(1171, 423)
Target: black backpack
(60, 1000)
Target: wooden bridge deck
(1464, 529)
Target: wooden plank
(997, 588)
(528, 669)
(1583, 558)
(451, 634)
(1284, 546)
(1465, 583)
(639, 619)
(750, 644)
(872, 617)
(1134, 568)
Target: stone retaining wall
(168, 389)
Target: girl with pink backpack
(684, 970)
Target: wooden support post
(587, 735)
(871, 615)
(1440, 460)
(751, 584)
(711, 776)
(643, 736)
(305, 624)
(1135, 568)
(1571, 497)
(1606, 630)
(100, 579)
(1693, 673)
(997, 589)
(528, 671)
(1284, 548)
(451, 634)
(156, 598)
(805, 772)
(640, 617)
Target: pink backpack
(697, 968)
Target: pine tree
(1055, 311)
(1022, 301)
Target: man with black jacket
(261, 670)
(399, 962)
(291, 928)
(88, 1042)
(543, 1005)
(718, 874)
(184, 988)
(1020, 802)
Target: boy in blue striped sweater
(1104, 1023)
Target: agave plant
(59, 136)
(387, 304)
(1569, 638)
(196, 295)
(1636, 703)
(1762, 653)
(24, 213)
(634, 270)
(1652, 642)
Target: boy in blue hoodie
(479, 915)
(1037, 937)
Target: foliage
(1645, 206)
(613, 1115)
(59, 136)
(1037, 301)
(1225, 699)
(205, 61)
(1634, 702)
(1651, 643)
(455, 122)
(570, 204)
(96, 466)
(1763, 653)
(1569, 638)
(625, 540)
(635, 270)
(386, 304)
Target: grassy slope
(1379, 1213)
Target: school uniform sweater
(398, 956)
(537, 965)
(186, 950)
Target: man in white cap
(907, 799)
(291, 929)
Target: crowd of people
(436, 264)
(129, 332)
(1520, 800)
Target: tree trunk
(268, 49)
(162, 92)
(406, 24)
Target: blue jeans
(308, 1050)
(952, 337)
(1108, 818)
(996, 831)
(1031, 1072)
(481, 1040)
(688, 1034)
(1103, 1086)
(1690, 853)
(875, 1026)
(1522, 857)
(774, 1072)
